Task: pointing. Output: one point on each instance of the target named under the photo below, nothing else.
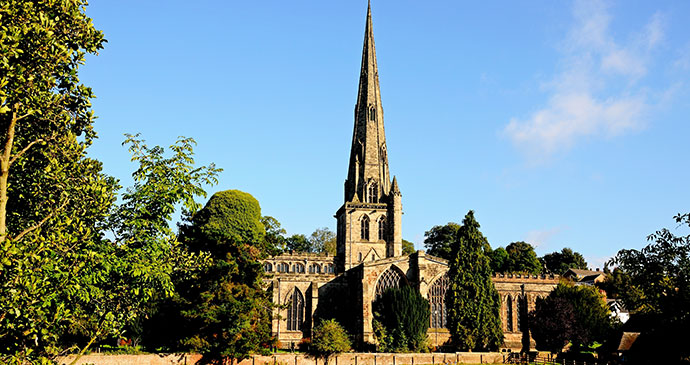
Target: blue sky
(564, 124)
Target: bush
(329, 338)
(401, 320)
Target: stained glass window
(295, 315)
(437, 301)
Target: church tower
(369, 222)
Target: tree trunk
(5, 172)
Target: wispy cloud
(541, 238)
(596, 93)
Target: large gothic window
(437, 301)
(391, 278)
(364, 233)
(382, 228)
(521, 309)
(295, 315)
(509, 314)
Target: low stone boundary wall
(299, 359)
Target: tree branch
(42, 222)
(20, 153)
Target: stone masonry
(369, 256)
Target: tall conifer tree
(473, 302)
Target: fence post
(393, 359)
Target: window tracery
(391, 278)
(295, 315)
(437, 301)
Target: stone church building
(369, 256)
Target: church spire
(368, 179)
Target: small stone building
(369, 256)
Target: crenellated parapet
(292, 264)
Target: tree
(407, 247)
(224, 306)
(559, 262)
(52, 198)
(592, 321)
(43, 108)
(499, 260)
(114, 282)
(657, 290)
(522, 258)
(275, 234)
(322, 240)
(402, 318)
(329, 338)
(473, 302)
(551, 323)
(298, 243)
(438, 240)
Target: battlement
(525, 277)
(300, 263)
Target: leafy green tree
(403, 315)
(275, 234)
(298, 243)
(592, 320)
(657, 289)
(147, 248)
(617, 285)
(322, 240)
(329, 338)
(439, 239)
(499, 260)
(552, 323)
(407, 247)
(522, 258)
(559, 262)
(225, 308)
(473, 302)
(52, 198)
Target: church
(369, 257)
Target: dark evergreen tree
(224, 307)
(473, 302)
(404, 315)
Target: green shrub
(401, 320)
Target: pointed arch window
(521, 309)
(372, 113)
(372, 193)
(437, 301)
(268, 267)
(382, 228)
(299, 268)
(391, 278)
(295, 315)
(364, 232)
(509, 314)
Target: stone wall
(298, 359)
